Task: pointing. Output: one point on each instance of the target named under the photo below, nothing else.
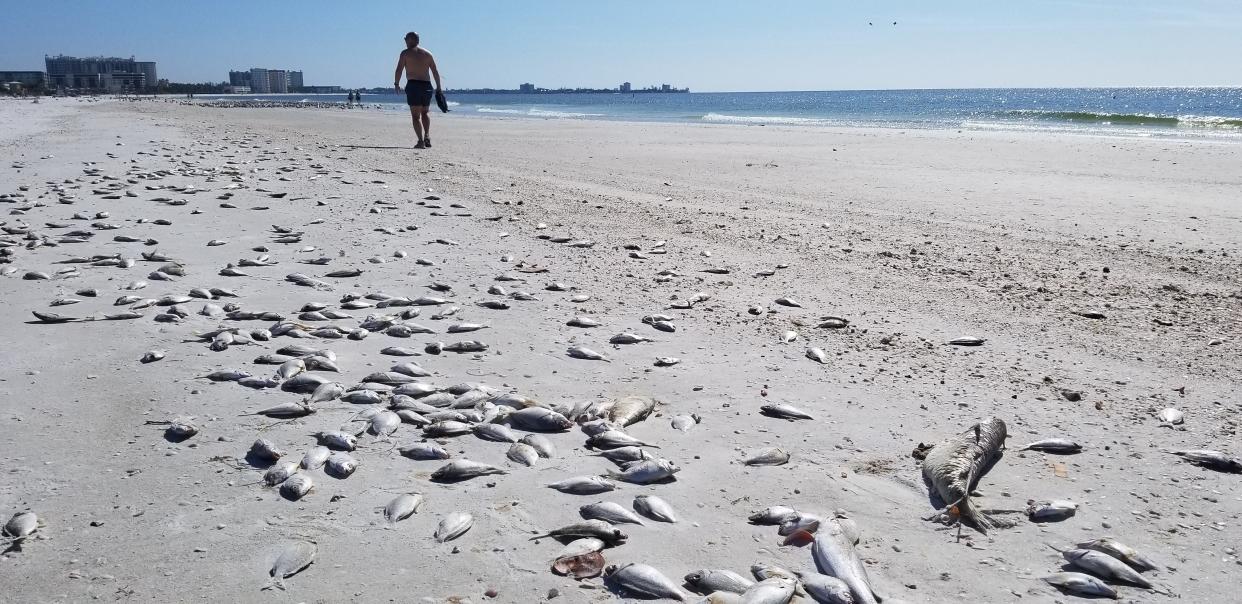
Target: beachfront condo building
(109, 74)
(267, 81)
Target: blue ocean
(1196, 112)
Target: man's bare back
(417, 63)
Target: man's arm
(396, 78)
(435, 73)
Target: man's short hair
(412, 35)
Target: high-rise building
(148, 72)
(239, 78)
(277, 81)
(259, 81)
(112, 74)
(625, 87)
(528, 87)
(295, 81)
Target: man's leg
(418, 126)
(426, 113)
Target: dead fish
(613, 439)
(292, 560)
(465, 327)
(279, 473)
(644, 580)
(684, 423)
(447, 428)
(523, 453)
(1051, 511)
(800, 521)
(424, 451)
(51, 317)
(179, 429)
(453, 526)
(954, 466)
(1104, 566)
(776, 514)
(784, 411)
(1171, 417)
(763, 572)
(290, 368)
(344, 273)
(335, 439)
(654, 508)
(768, 457)
(622, 455)
(581, 547)
(834, 555)
(817, 354)
(582, 352)
(826, 589)
(340, 465)
(789, 336)
(495, 433)
(402, 507)
(384, 423)
(666, 361)
(832, 323)
(539, 419)
(326, 392)
(583, 485)
(597, 529)
(1053, 445)
(1120, 551)
(362, 397)
(773, 590)
(466, 346)
(713, 580)
(646, 472)
(1080, 584)
(464, 469)
(967, 341)
(631, 410)
(610, 512)
(788, 302)
(152, 356)
(628, 338)
(286, 411)
(1214, 460)
(20, 526)
(227, 375)
(583, 322)
(264, 449)
(315, 458)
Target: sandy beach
(1101, 273)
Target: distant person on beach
(419, 67)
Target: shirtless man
(417, 62)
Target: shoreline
(915, 237)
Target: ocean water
(1195, 112)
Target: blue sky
(720, 45)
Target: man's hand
(397, 87)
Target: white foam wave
(535, 112)
(765, 119)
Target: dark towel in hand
(441, 101)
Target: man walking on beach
(419, 65)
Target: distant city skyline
(707, 46)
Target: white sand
(916, 237)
